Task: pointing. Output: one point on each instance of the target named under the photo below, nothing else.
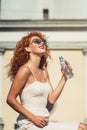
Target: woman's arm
(55, 93)
(16, 88)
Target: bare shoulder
(24, 72)
(20, 79)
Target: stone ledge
(1, 124)
(69, 45)
(85, 120)
(51, 24)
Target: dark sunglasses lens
(37, 41)
(44, 41)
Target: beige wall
(9, 114)
(71, 104)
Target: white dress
(34, 99)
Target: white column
(86, 85)
(0, 9)
(1, 64)
(85, 53)
(0, 81)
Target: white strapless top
(34, 98)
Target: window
(45, 13)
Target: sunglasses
(38, 41)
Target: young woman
(30, 81)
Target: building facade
(65, 24)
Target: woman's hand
(40, 121)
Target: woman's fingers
(40, 121)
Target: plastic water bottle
(68, 72)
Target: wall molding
(45, 25)
(48, 25)
(69, 45)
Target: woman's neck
(34, 61)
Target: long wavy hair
(21, 56)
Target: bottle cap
(60, 58)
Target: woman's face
(38, 46)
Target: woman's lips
(41, 47)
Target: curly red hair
(20, 56)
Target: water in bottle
(68, 71)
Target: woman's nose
(42, 42)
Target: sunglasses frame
(38, 41)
